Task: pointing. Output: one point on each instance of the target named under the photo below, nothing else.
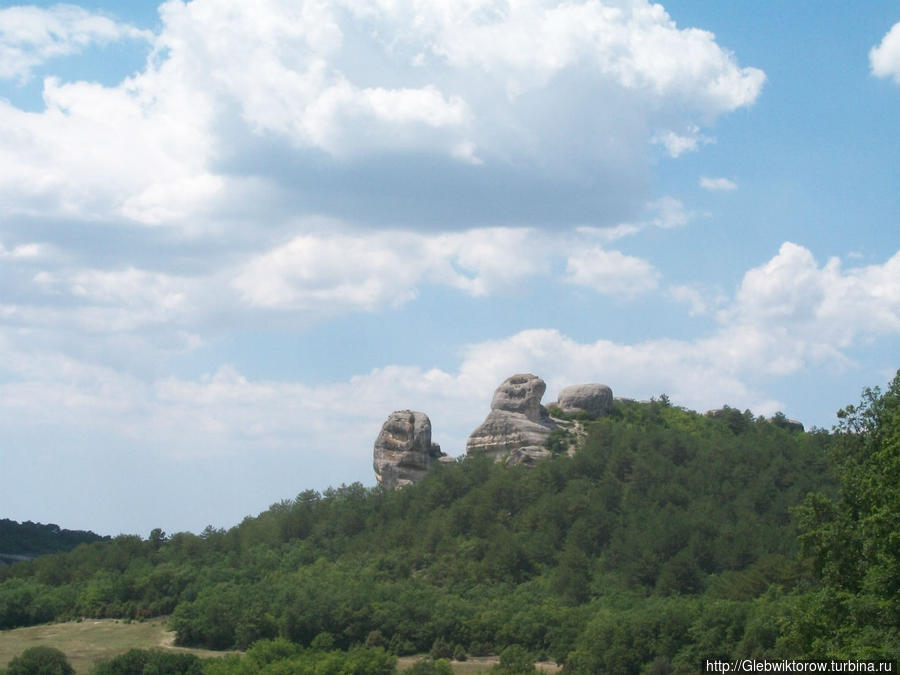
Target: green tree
(854, 541)
(150, 662)
(40, 661)
(429, 667)
(515, 660)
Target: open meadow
(86, 642)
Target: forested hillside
(33, 539)
(669, 537)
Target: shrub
(440, 649)
(430, 667)
(150, 661)
(515, 660)
(40, 661)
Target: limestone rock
(517, 426)
(594, 399)
(521, 393)
(527, 455)
(404, 452)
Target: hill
(23, 541)
(667, 538)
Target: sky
(234, 237)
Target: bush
(40, 661)
(440, 649)
(558, 441)
(322, 641)
(430, 667)
(515, 660)
(149, 661)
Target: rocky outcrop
(515, 431)
(404, 452)
(594, 399)
(517, 426)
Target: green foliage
(150, 662)
(558, 441)
(515, 660)
(40, 661)
(853, 541)
(280, 657)
(440, 649)
(429, 667)
(663, 536)
(34, 539)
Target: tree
(40, 661)
(515, 660)
(853, 541)
(150, 662)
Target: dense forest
(33, 539)
(668, 538)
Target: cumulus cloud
(884, 58)
(790, 311)
(327, 273)
(717, 184)
(611, 272)
(365, 111)
(30, 36)
(106, 154)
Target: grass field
(91, 640)
(86, 642)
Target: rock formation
(517, 426)
(515, 431)
(404, 452)
(594, 399)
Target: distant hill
(24, 541)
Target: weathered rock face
(517, 426)
(521, 393)
(404, 452)
(594, 399)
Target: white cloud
(328, 273)
(611, 272)
(787, 314)
(100, 153)
(337, 272)
(30, 36)
(677, 144)
(635, 43)
(884, 58)
(299, 84)
(717, 184)
(790, 312)
(700, 301)
(666, 213)
(23, 251)
(669, 213)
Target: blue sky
(234, 238)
